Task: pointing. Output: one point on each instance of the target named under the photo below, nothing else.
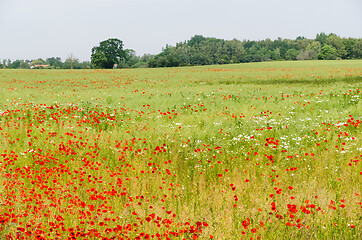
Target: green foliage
(196, 40)
(356, 49)
(314, 46)
(338, 43)
(291, 54)
(16, 64)
(275, 54)
(327, 53)
(200, 50)
(55, 62)
(307, 55)
(130, 59)
(38, 61)
(321, 37)
(71, 62)
(112, 50)
(98, 59)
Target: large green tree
(327, 53)
(99, 60)
(108, 53)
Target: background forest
(200, 50)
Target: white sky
(32, 29)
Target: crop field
(248, 151)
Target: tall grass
(266, 150)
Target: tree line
(49, 63)
(200, 50)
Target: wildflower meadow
(267, 150)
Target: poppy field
(246, 151)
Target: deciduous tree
(327, 53)
(108, 53)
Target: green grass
(213, 144)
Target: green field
(259, 150)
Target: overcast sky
(31, 29)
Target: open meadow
(247, 151)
